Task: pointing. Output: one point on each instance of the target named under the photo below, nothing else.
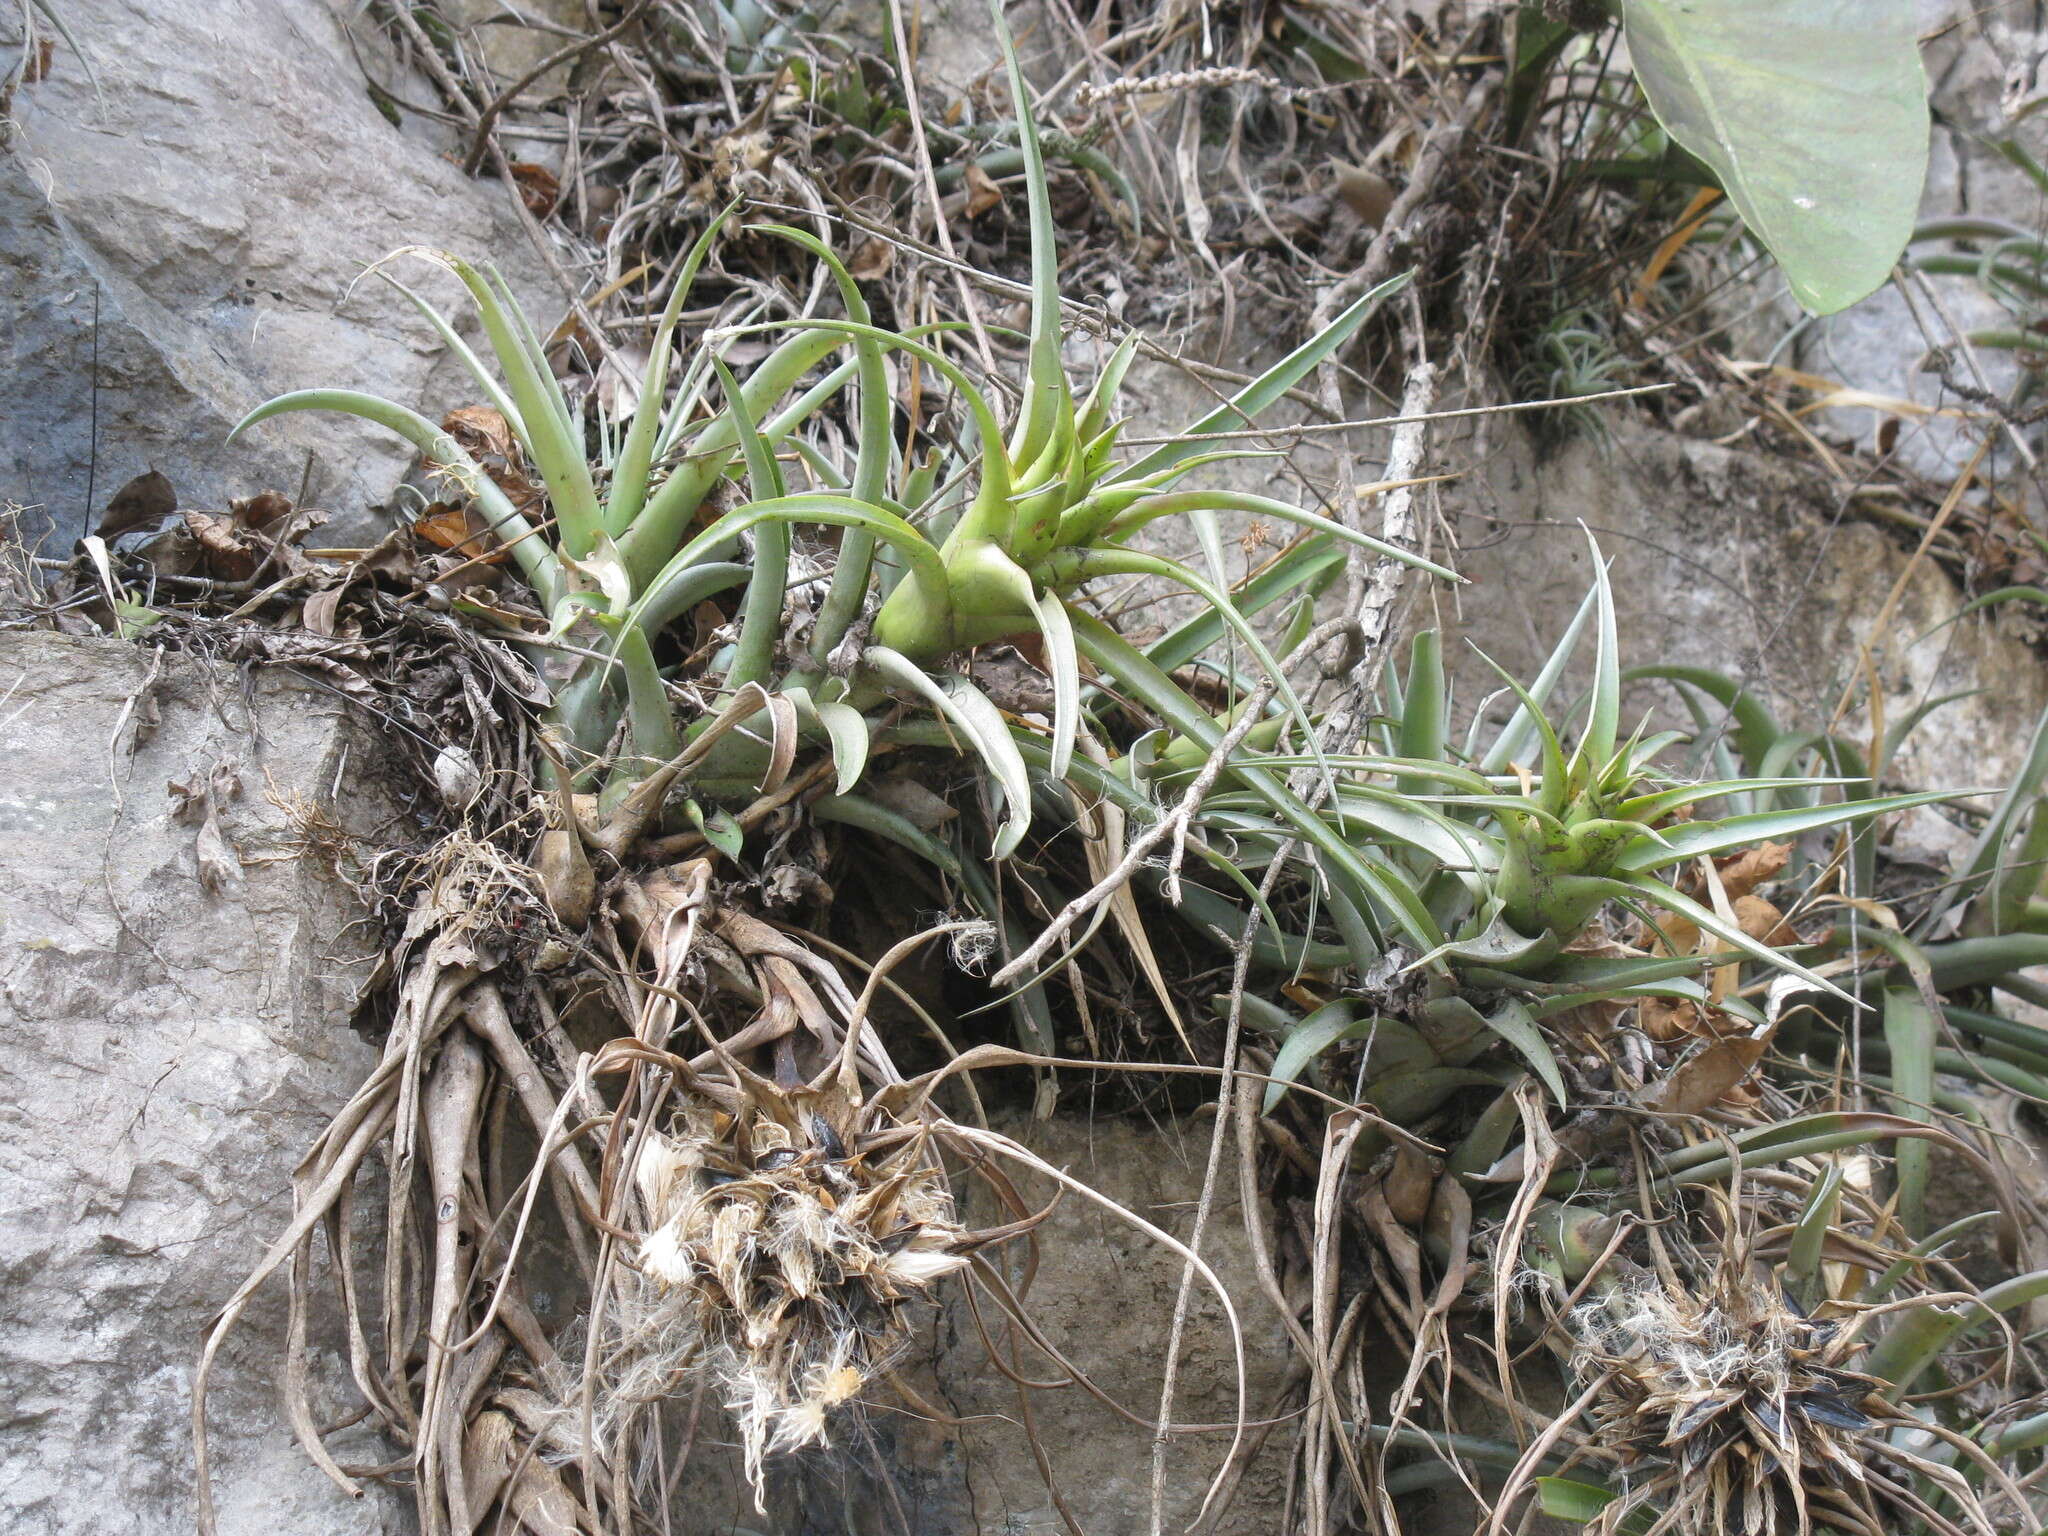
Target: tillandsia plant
(790, 1184)
(1489, 873)
(1941, 975)
(1755, 1399)
(617, 554)
(1749, 1311)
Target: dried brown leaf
(1743, 872)
(539, 188)
(480, 430)
(1367, 193)
(872, 260)
(258, 512)
(1702, 1081)
(146, 499)
(229, 553)
(461, 530)
(982, 192)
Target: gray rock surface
(1104, 1294)
(166, 1055)
(1983, 63)
(187, 236)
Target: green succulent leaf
(980, 721)
(1329, 1024)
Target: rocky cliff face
(177, 973)
(190, 237)
(176, 967)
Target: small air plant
(779, 1259)
(1732, 1410)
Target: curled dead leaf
(459, 529)
(539, 188)
(1764, 922)
(199, 797)
(982, 192)
(321, 615)
(1743, 872)
(258, 512)
(228, 552)
(1409, 1185)
(872, 260)
(148, 498)
(480, 430)
(1665, 1019)
(1703, 1080)
(1366, 193)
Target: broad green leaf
(1564, 1499)
(1983, 962)
(1064, 666)
(718, 827)
(1675, 845)
(1516, 1025)
(627, 493)
(980, 721)
(1516, 736)
(1988, 600)
(1814, 117)
(1603, 723)
(845, 728)
(1809, 1235)
(1990, 848)
(1919, 1334)
(1659, 894)
(1341, 862)
(1309, 1039)
(654, 723)
(1424, 708)
(760, 617)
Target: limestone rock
(167, 1053)
(186, 239)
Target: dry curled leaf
(872, 260)
(198, 797)
(1743, 872)
(258, 512)
(459, 529)
(539, 188)
(228, 551)
(1703, 1080)
(982, 192)
(1366, 193)
(480, 430)
(148, 498)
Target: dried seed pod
(785, 1284)
(1733, 1411)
